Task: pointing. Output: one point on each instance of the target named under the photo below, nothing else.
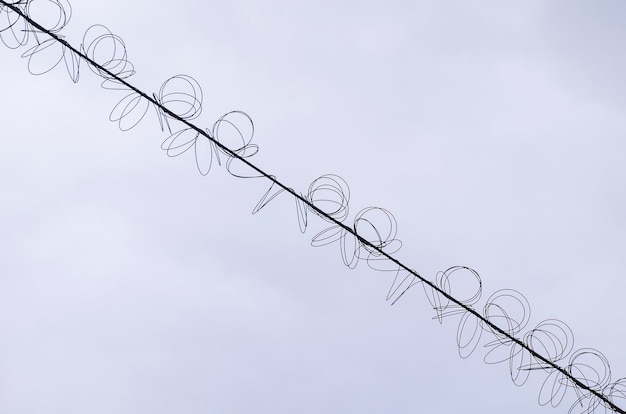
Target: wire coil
(371, 236)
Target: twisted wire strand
(506, 312)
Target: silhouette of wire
(371, 237)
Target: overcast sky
(493, 131)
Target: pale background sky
(129, 283)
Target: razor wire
(370, 237)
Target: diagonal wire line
(605, 399)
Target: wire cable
(553, 337)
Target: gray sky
(492, 131)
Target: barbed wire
(370, 237)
